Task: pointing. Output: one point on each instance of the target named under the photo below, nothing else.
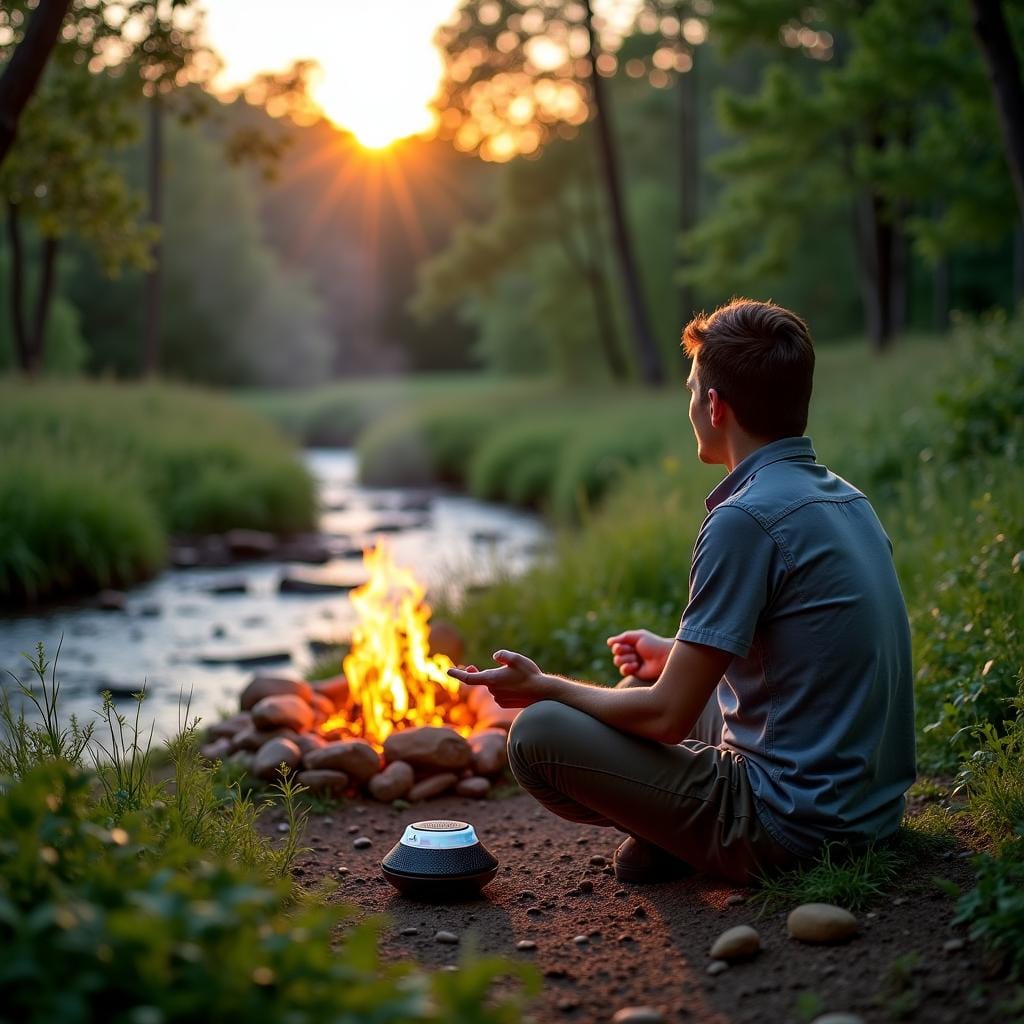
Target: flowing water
(183, 640)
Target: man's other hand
(640, 653)
(518, 683)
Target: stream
(197, 635)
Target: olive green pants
(692, 799)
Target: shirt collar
(783, 450)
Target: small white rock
(736, 943)
(838, 1018)
(716, 967)
(283, 826)
(638, 1015)
(526, 945)
(953, 945)
(580, 940)
(821, 923)
(362, 843)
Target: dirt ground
(648, 945)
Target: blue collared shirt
(793, 575)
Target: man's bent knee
(537, 731)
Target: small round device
(439, 858)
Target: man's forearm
(636, 711)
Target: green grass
(129, 897)
(95, 476)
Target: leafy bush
(94, 476)
(994, 909)
(127, 899)
(519, 462)
(993, 778)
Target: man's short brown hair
(759, 357)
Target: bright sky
(379, 67)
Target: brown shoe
(641, 863)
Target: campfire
(394, 723)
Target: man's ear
(718, 408)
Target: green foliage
(168, 904)
(93, 478)
(994, 910)
(993, 778)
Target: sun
(380, 110)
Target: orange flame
(394, 681)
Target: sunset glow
(379, 67)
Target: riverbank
(96, 477)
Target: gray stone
(428, 746)
(362, 843)
(476, 787)
(253, 739)
(490, 751)
(283, 711)
(310, 741)
(324, 782)
(356, 758)
(716, 967)
(526, 945)
(736, 943)
(821, 923)
(433, 785)
(272, 684)
(838, 1018)
(447, 938)
(224, 586)
(266, 763)
(393, 782)
(218, 750)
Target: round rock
(362, 843)
(324, 782)
(490, 751)
(716, 967)
(393, 783)
(838, 1018)
(266, 764)
(446, 938)
(476, 787)
(736, 943)
(821, 923)
(277, 684)
(356, 758)
(432, 786)
(526, 945)
(282, 711)
(428, 746)
(638, 1015)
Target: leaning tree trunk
(17, 287)
(651, 370)
(875, 259)
(689, 154)
(154, 279)
(23, 71)
(996, 43)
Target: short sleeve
(730, 581)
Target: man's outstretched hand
(640, 653)
(518, 683)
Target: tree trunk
(941, 292)
(996, 43)
(875, 250)
(17, 286)
(689, 180)
(651, 370)
(154, 279)
(1018, 265)
(44, 300)
(21, 76)
(899, 291)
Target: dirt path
(648, 945)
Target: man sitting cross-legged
(780, 716)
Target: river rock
(112, 600)
(428, 746)
(357, 759)
(273, 684)
(839, 1017)
(283, 712)
(736, 943)
(446, 638)
(230, 726)
(638, 1015)
(334, 689)
(476, 787)
(310, 548)
(393, 783)
(324, 782)
(821, 923)
(242, 758)
(322, 705)
(490, 751)
(250, 543)
(310, 741)
(253, 739)
(218, 750)
(433, 785)
(266, 763)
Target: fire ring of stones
(285, 720)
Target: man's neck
(739, 446)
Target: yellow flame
(394, 681)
